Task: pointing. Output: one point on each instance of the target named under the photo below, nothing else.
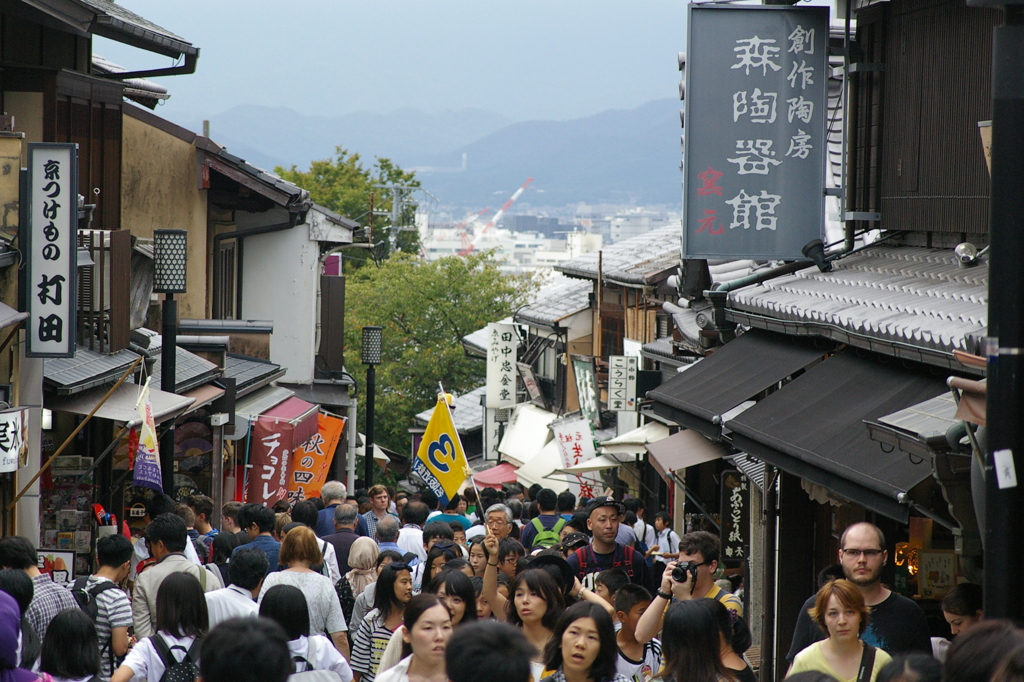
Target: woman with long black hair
(393, 592)
(181, 624)
(71, 649)
(426, 630)
(286, 605)
(582, 647)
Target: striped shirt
(368, 645)
(114, 610)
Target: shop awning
(686, 448)
(120, 406)
(630, 444)
(542, 469)
(814, 427)
(9, 316)
(203, 396)
(753, 362)
(919, 429)
(594, 464)
(496, 475)
(297, 412)
(973, 400)
(258, 402)
(527, 432)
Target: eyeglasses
(496, 522)
(856, 553)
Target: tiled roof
(190, 370)
(87, 369)
(661, 347)
(912, 302)
(286, 194)
(468, 414)
(642, 260)
(116, 22)
(475, 343)
(248, 371)
(208, 327)
(557, 302)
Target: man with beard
(897, 624)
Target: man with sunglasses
(897, 624)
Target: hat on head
(568, 576)
(575, 541)
(599, 502)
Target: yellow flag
(441, 461)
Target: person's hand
(681, 590)
(655, 548)
(666, 577)
(491, 545)
(577, 587)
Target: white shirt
(398, 673)
(326, 656)
(331, 559)
(144, 660)
(645, 532)
(230, 602)
(410, 539)
(667, 542)
(142, 552)
(433, 514)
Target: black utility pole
(168, 384)
(1004, 596)
(373, 338)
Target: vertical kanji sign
(501, 365)
(13, 438)
(754, 152)
(575, 441)
(735, 514)
(622, 383)
(51, 249)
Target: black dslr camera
(684, 569)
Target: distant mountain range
(617, 156)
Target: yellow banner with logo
(440, 461)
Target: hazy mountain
(629, 157)
(269, 136)
(617, 156)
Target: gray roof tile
(190, 370)
(248, 371)
(637, 261)
(556, 303)
(468, 414)
(87, 369)
(912, 299)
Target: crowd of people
(520, 586)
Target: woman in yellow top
(839, 610)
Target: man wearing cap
(603, 552)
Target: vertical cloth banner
(271, 443)
(754, 148)
(147, 459)
(440, 461)
(312, 461)
(575, 441)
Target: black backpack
(86, 599)
(185, 670)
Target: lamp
(170, 257)
(47, 420)
(373, 341)
(170, 260)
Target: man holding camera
(603, 552)
(691, 576)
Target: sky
(523, 59)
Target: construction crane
(494, 221)
(460, 229)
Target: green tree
(344, 185)
(425, 309)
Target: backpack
(305, 661)
(623, 558)
(547, 538)
(185, 670)
(322, 568)
(86, 599)
(642, 547)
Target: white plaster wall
(280, 273)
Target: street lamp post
(372, 341)
(170, 257)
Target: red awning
(496, 475)
(297, 412)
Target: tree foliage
(344, 185)
(425, 309)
